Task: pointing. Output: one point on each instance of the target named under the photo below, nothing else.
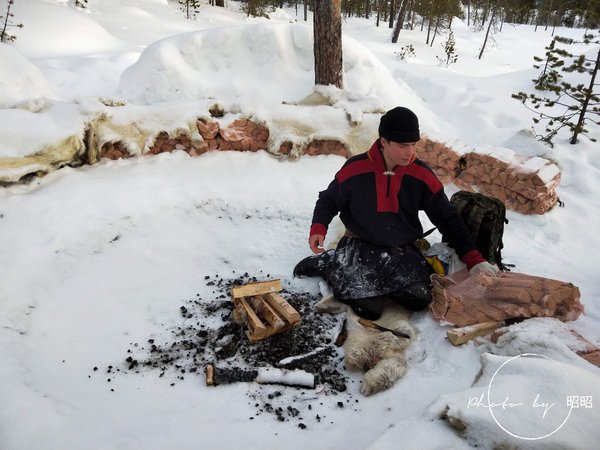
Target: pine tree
(450, 50)
(405, 52)
(6, 21)
(189, 7)
(549, 74)
(566, 105)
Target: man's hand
(316, 243)
(486, 268)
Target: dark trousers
(363, 275)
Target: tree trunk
(485, 13)
(327, 22)
(550, 7)
(410, 14)
(469, 13)
(586, 101)
(428, 31)
(392, 9)
(399, 21)
(437, 23)
(305, 10)
(220, 3)
(487, 33)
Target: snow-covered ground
(98, 257)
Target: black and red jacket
(382, 207)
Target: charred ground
(207, 335)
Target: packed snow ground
(101, 256)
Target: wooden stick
(256, 328)
(210, 373)
(590, 352)
(459, 336)
(266, 312)
(283, 308)
(370, 324)
(263, 375)
(262, 287)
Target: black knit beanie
(399, 125)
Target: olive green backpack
(485, 218)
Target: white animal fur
(379, 354)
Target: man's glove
(486, 268)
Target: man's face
(401, 154)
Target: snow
(100, 256)
(295, 377)
(30, 84)
(525, 389)
(25, 132)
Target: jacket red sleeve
(328, 205)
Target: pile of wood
(247, 135)
(241, 135)
(285, 148)
(209, 130)
(165, 142)
(114, 150)
(263, 310)
(526, 185)
(482, 298)
(443, 160)
(326, 147)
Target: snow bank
(59, 30)
(20, 80)
(27, 132)
(526, 401)
(547, 336)
(266, 62)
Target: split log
(263, 375)
(263, 310)
(282, 307)
(590, 351)
(458, 336)
(262, 287)
(256, 329)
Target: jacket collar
(375, 154)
